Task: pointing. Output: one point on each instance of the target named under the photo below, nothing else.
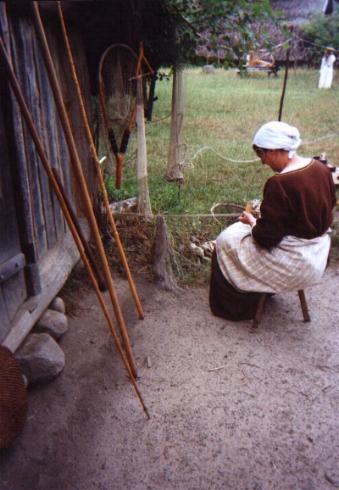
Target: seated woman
(286, 249)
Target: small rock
(125, 206)
(52, 322)
(40, 358)
(58, 304)
(208, 248)
(148, 362)
(208, 69)
(196, 250)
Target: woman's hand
(247, 218)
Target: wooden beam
(54, 268)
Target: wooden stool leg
(304, 305)
(260, 310)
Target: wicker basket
(13, 398)
(227, 209)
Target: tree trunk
(175, 152)
(144, 203)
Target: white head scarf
(277, 135)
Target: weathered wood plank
(46, 115)
(5, 323)
(9, 243)
(67, 86)
(54, 268)
(12, 289)
(14, 293)
(43, 211)
(16, 141)
(20, 51)
(41, 223)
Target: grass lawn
(222, 113)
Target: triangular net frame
(117, 90)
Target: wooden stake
(175, 150)
(144, 202)
(284, 85)
(97, 166)
(59, 193)
(75, 160)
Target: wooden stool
(261, 306)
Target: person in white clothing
(326, 69)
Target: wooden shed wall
(31, 221)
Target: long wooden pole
(144, 202)
(97, 165)
(59, 193)
(284, 85)
(75, 160)
(88, 251)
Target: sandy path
(267, 419)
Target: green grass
(222, 112)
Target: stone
(58, 304)
(126, 206)
(40, 358)
(52, 322)
(208, 69)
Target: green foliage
(322, 31)
(227, 25)
(222, 112)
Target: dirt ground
(230, 408)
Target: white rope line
(310, 42)
(204, 148)
(176, 215)
(332, 135)
(281, 44)
(159, 119)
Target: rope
(220, 156)
(204, 148)
(332, 135)
(312, 44)
(156, 120)
(175, 215)
(281, 44)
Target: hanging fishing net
(117, 88)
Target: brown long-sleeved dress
(297, 203)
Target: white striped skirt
(295, 263)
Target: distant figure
(326, 69)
